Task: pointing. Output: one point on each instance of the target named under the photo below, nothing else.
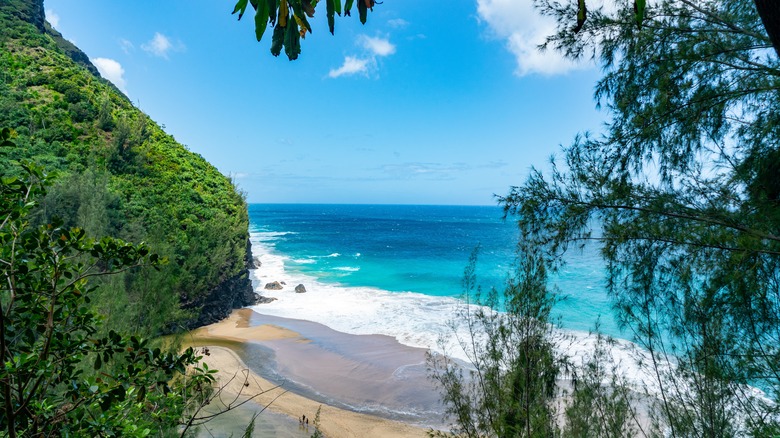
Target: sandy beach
(299, 366)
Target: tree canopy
(682, 192)
(59, 375)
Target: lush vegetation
(74, 310)
(118, 174)
(60, 376)
(682, 193)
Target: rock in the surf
(264, 300)
(274, 286)
(300, 289)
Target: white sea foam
(304, 261)
(413, 319)
(270, 235)
(347, 268)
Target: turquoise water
(422, 249)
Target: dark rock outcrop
(251, 262)
(300, 289)
(233, 293)
(72, 51)
(30, 11)
(265, 300)
(274, 286)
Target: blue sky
(428, 103)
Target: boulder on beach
(274, 286)
(300, 289)
(283, 283)
(264, 300)
(256, 262)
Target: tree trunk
(769, 11)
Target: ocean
(397, 270)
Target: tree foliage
(601, 402)
(509, 386)
(682, 193)
(59, 374)
(768, 10)
(289, 19)
(520, 379)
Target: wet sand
(350, 376)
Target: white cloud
(52, 18)
(160, 45)
(351, 66)
(126, 45)
(113, 71)
(377, 46)
(398, 23)
(523, 29)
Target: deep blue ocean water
(422, 249)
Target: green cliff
(119, 174)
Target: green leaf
(277, 40)
(292, 40)
(347, 7)
(261, 19)
(639, 12)
(241, 8)
(298, 12)
(273, 5)
(331, 13)
(362, 10)
(337, 6)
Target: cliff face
(233, 293)
(122, 175)
(30, 11)
(73, 52)
(33, 12)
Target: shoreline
(413, 319)
(326, 372)
(255, 353)
(303, 334)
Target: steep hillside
(120, 174)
